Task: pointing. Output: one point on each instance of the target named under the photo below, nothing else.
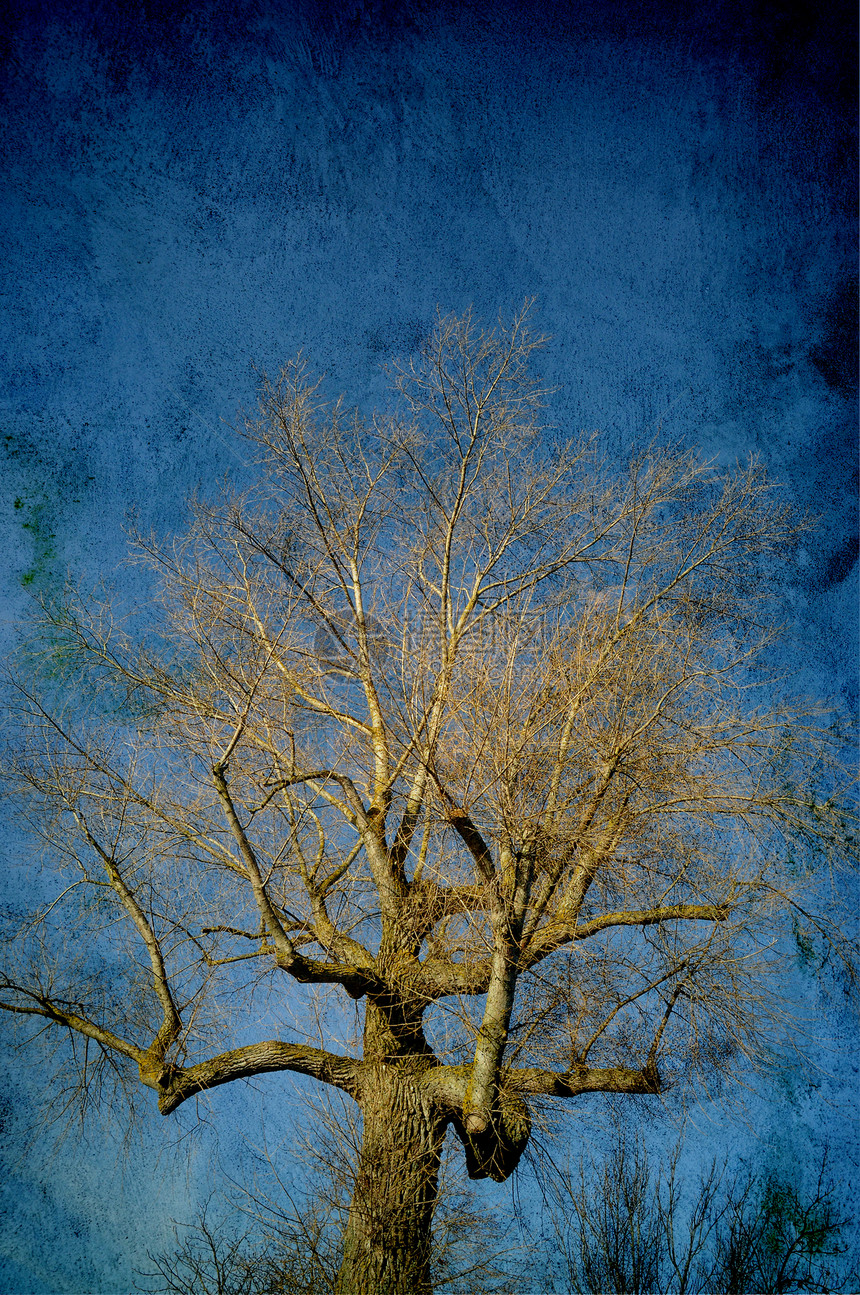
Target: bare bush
(626, 1226)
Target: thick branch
(447, 1084)
(494, 1150)
(350, 953)
(409, 820)
(175, 1085)
(649, 916)
(582, 1079)
(357, 981)
(474, 842)
(507, 923)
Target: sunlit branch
(555, 935)
(176, 1085)
(356, 980)
(171, 1024)
(44, 1006)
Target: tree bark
(387, 1243)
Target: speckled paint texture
(192, 191)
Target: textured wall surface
(189, 191)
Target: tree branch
(555, 935)
(355, 980)
(171, 1023)
(43, 1006)
(175, 1085)
(441, 977)
(474, 842)
(582, 1079)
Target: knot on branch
(495, 1151)
(159, 1074)
(651, 1077)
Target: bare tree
(448, 719)
(628, 1226)
(208, 1259)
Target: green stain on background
(37, 520)
(45, 478)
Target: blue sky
(190, 191)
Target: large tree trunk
(388, 1237)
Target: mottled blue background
(190, 191)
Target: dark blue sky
(190, 191)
